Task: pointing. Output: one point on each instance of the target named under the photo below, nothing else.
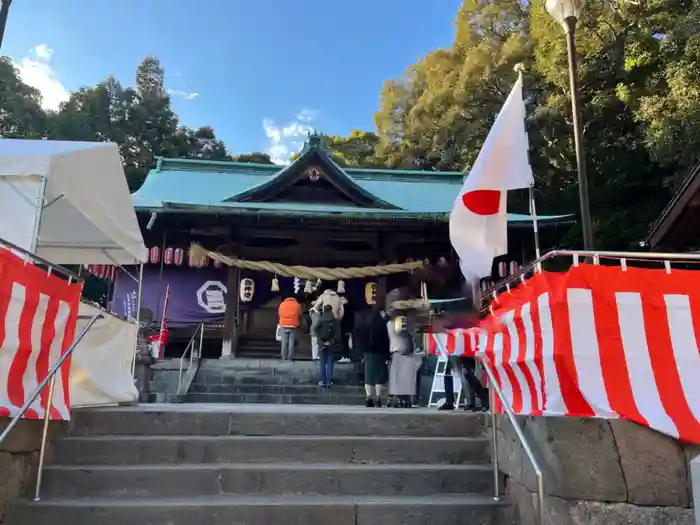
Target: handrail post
(201, 340)
(44, 437)
(493, 385)
(494, 446)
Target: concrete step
(210, 479)
(269, 371)
(329, 398)
(155, 450)
(273, 420)
(281, 510)
(228, 388)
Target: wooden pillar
(229, 339)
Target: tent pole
(138, 321)
(38, 214)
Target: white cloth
(100, 372)
(478, 222)
(88, 215)
(314, 347)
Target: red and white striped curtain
(599, 341)
(40, 312)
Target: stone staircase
(272, 381)
(268, 465)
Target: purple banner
(200, 294)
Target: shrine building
(312, 213)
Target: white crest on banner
(211, 297)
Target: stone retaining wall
(19, 458)
(598, 472)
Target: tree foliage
(639, 79)
(140, 119)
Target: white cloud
(35, 70)
(287, 139)
(307, 115)
(187, 95)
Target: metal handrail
(50, 380)
(35, 259)
(190, 349)
(494, 388)
(535, 265)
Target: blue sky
(260, 72)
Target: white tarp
(100, 371)
(88, 215)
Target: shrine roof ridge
(166, 164)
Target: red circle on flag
(482, 202)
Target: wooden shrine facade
(312, 213)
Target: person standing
(370, 336)
(347, 323)
(404, 363)
(289, 319)
(332, 299)
(315, 316)
(470, 384)
(328, 334)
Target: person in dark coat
(371, 337)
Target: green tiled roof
(208, 186)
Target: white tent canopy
(68, 202)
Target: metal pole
(578, 136)
(44, 436)
(201, 340)
(138, 321)
(533, 214)
(494, 445)
(4, 12)
(38, 215)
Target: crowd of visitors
(383, 345)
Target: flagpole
(533, 214)
(519, 68)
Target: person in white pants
(315, 316)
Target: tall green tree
(21, 115)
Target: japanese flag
(478, 222)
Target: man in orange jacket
(290, 316)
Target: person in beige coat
(330, 297)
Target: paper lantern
(401, 325)
(502, 269)
(513, 267)
(247, 290)
(371, 293)
(168, 255)
(178, 256)
(341, 286)
(217, 263)
(442, 261)
(275, 284)
(154, 255)
(308, 287)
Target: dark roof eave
(673, 209)
(193, 209)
